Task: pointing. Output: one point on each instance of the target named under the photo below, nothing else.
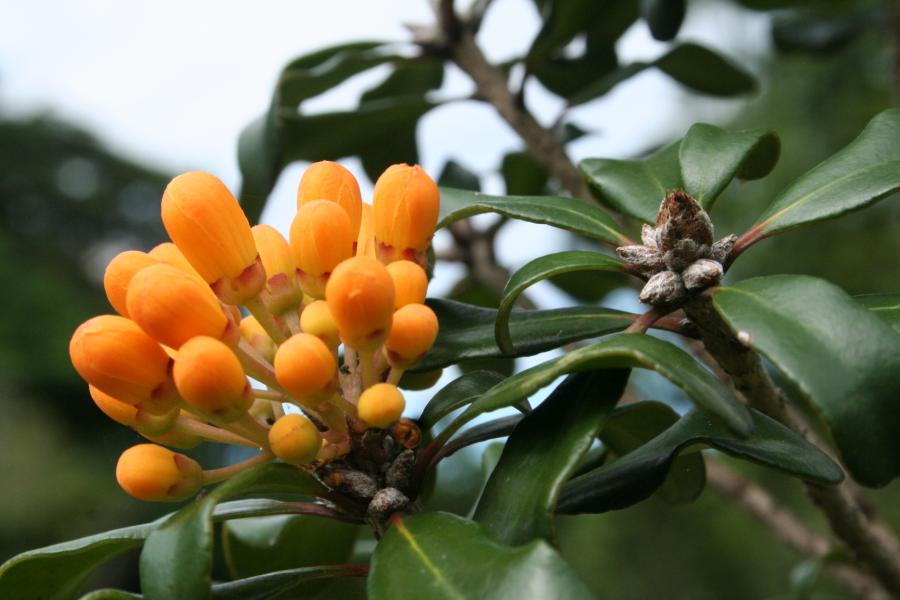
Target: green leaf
(467, 331)
(635, 187)
(482, 432)
(442, 556)
(456, 175)
(840, 357)
(711, 157)
(177, 556)
(618, 351)
(571, 77)
(284, 585)
(664, 17)
(638, 474)
(884, 306)
(110, 594)
(604, 20)
(458, 393)
(866, 170)
(518, 502)
(705, 71)
(632, 426)
(522, 175)
(543, 268)
(565, 213)
(59, 571)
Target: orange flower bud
(173, 307)
(169, 253)
(410, 283)
(281, 274)
(316, 320)
(406, 203)
(118, 275)
(381, 405)
(254, 333)
(413, 332)
(305, 367)
(156, 474)
(210, 378)
(294, 439)
(327, 180)
(131, 416)
(360, 294)
(321, 237)
(207, 224)
(365, 243)
(175, 439)
(114, 355)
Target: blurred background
(102, 102)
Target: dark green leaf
(589, 290)
(542, 268)
(866, 170)
(565, 213)
(804, 32)
(411, 77)
(571, 77)
(482, 432)
(110, 594)
(177, 556)
(885, 306)
(601, 20)
(468, 331)
(840, 357)
(635, 187)
(705, 71)
(632, 426)
(523, 175)
(518, 502)
(664, 17)
(442, 556)
(636, 475)
(458, 393)
(711, 157)
(283, 584)
(456, 175)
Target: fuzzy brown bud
(400, 471)
(683, 253)
(721, 249)
(353, 483)
(681, 217)
(387, 501)
(702, 274)
(645, 259)
(663, 289)
(648, 235)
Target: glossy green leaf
(809, 32)
(625, 350)
(866, 170)
(110, 594)
(705, 71)
(840, 357)
(571, 76)
(522, 175)
(638, 474)
(476, 434)
(632, 426)
(884, 306)
(458, 393)
(442, 556)
(518, 502)
(467, 331)
(538, 270)
(664, 17)
(282, 585)
(602, 20)
(564, 213)
(177, 556)
(635, 187)
(456, 175)
(711, 157)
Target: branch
(872, 542)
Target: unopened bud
(211, 380)
(131, 416)
(156, 474)
(721, 249)
(365, 242)
(406, 203)
(410, 283)
(305, 367)
(663, 289)
(413, 332)
(381, 405)
(327, 180)
(316, 320)
(648, 236)
(407, 433)
(643, 258)
(322, 237)
(386, 502)
(294, 439)
(400, 471)
(684, 252)
(353, 483)
(702, 274)
(360, 294)
(281, 272)
(168, 253)
(118, 276)
(254, 333)
(681, 217)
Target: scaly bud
(410, 283)
(305, 367)
(321, 238)
(414, 329)
(131, 416)
(156, 474)
(360, 294)
(254, 333)
(115, 355)
(406, 203)
(316, 320)
(207, 224)
(118, 276)
(381, 405)
(210, 378)
(680, 217)
(294, 439)
(664, 288)
(327, 180)
(702, 274)
(281, 273)
(168, 253)
(173, 307)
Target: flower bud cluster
(336, 315)
(678, 256)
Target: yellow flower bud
(410, 283)
(210, 378)
(115, 355)
(327, 180)
(118, 275)
(365, 243)
(413, 332)
(207, 224)
(173, 307)
(316, 320)
(294, 439)
(156, 474)
(168, 253)
(175, 439)
(321, 238)
(360, 294)
(132, 416)
(254, 333)
(305, 367)
(275, 254)
(406, 203)
(381, 405)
